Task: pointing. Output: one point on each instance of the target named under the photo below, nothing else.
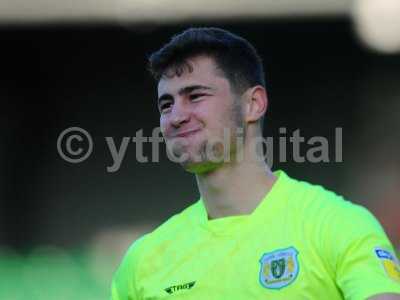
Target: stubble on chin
(199, 161)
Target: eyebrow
(184, 91)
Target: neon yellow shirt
(301, 242)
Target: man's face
(198, 112)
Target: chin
(200, 167)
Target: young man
(253, 234)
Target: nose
(179, 114)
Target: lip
(186, 133)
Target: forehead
(203, 71)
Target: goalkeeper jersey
(301, 242)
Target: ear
(256, 103)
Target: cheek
(163, 125)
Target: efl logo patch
(279, 268)
(389, 263)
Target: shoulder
(155, 242)
(176, 224)
(123, 283)
(332, 223)
(321, 204)
(167, 231)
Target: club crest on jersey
(279, 268)
(389, 262)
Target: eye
(165, 106)
(196, 96)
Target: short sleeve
(124, 280)
(361, 254)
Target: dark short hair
(233, 55)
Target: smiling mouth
(186, 133)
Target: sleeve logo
(389, 262)
(279, 268)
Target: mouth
(186, 133)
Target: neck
(235, 188)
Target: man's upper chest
(256, 264)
